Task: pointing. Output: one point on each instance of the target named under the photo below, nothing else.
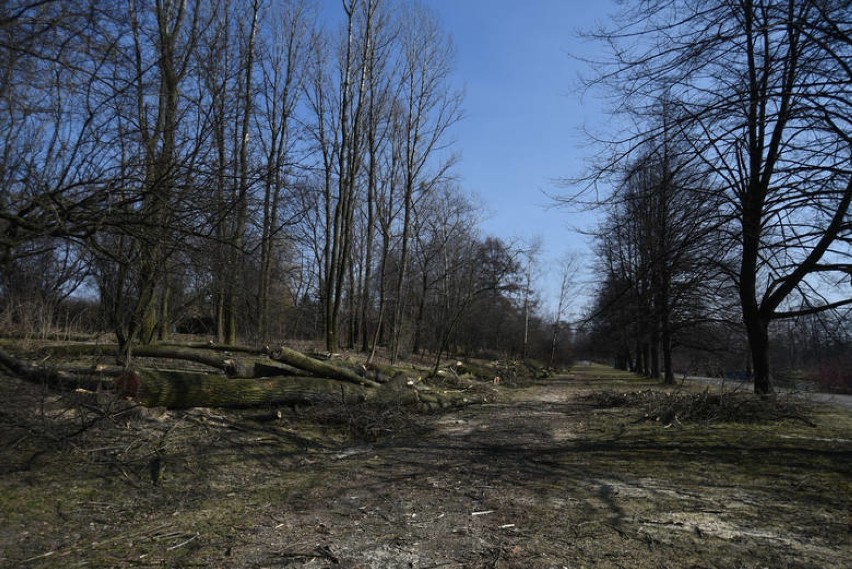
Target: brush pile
(681, 407)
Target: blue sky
(524, 117)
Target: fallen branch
(181, 544)
(318, 368)
(201, 354)
(220, 347)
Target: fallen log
(182, 389)
(47, 375)
(179, 389)
(285, 359)
(318, 368)
(220, 347)
(232, 367)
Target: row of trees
(236, 168)
(731, 209)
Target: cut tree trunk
(281, 363)
(181, 389)
(256, 351)
(231, 366)
(318, 368)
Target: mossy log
(318, 368)
(182, 389)
(285, 359)
(231, 366)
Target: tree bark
(318, 368)
(757, 330)
(179, 390)
(251, 367)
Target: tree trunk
(318, 368)
(232, 367)
(174, 389)
(666, 339)
(421, 312)
(180, 389)
(757, 327)
(164, 321)
(758, 341)
(654, 347)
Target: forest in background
(724, 187)
(242, 171)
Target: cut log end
(127, 384)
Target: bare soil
(542, 477)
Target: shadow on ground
(541, 480)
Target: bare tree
(484, 271)
(568, 268)
(237, 217)
(170, 26)
(215, 69)
(338, 105)
(442, 218)
(428, 109)
(380, 81)
(282, 70)
(57, 181)
(50, 156)
(531, 254)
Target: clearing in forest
(588, 469)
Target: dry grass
(545, 477)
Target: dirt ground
(540, 478)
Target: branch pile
(705, 407)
